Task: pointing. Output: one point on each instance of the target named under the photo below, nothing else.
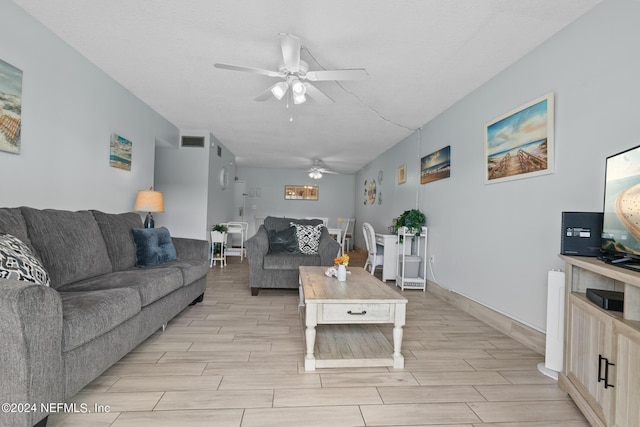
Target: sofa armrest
(328, 248)
(257, 247)
(191, 248)
(31, 352)
(258, 244)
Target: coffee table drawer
(356, 313)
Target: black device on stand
(581, 233)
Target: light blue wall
(70, 108)
(335, 197)
(495, 243)
(396, 198)
(189, 179)
(220, 202)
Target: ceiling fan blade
(249, 70)
(264, 95)
(350, 74)
(329, 171)
(315, 94)
(290, 45)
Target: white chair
(375, 257)
(338, 234)
(218, 237)
(235, 228)
(345, 229)
(324, 219)
(349, 237)
(347, 225)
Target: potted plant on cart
(413, 219)
(220, 228)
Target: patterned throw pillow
(18, 262)
(308, 237)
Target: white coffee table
(347, 313)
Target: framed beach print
(520, 144)
(436, 165)
(10, 108)
(120, 156)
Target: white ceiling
(421, 55)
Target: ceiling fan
(296, 76)
(318, 168)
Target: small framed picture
(120, 156)
(402, 174)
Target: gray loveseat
(98, 307)
(280, 270)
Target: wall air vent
(192, 141)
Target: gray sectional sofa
(98, 307)
(278, 268)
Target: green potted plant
(412, 219)
(220, 228)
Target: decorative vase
(342, 273)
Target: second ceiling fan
(296, 76)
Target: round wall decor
(224, 178)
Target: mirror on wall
(301, 192)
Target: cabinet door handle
(362, 313)
(606, 373)
(600, 359)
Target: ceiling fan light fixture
(315, 175)
(299, 99)
(298, 87)
(279, 90)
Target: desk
(388, 241)
(390, 244)
(340, 319)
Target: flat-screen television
(621, 219)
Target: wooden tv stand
(601, 369)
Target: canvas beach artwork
(10, 108)
(519, 144)
(436, 166)
(120, 156)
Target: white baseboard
(520, 332)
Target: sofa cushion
(12, 222)
(289, 261)
(19, 263)
(153, 246)
(191, 269)
(69, 244)
(87, 315)
(284, 241)
(151, 284)
(279, 223)
(116, 231)
(308, 237)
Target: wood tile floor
(236, 360)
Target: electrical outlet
(432, 259)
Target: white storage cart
(411, 268)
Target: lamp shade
(149, 201)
